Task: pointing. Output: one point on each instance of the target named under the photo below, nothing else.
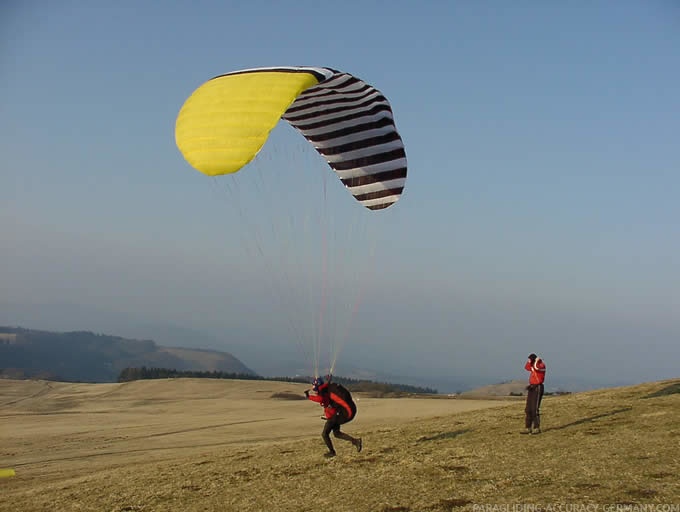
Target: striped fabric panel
(351, 125)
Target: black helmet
(317, 383)
(532, 356)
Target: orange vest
(537, 370)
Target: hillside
(232, 446)
(503, 389)
(83, 356)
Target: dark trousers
(533, 406)
(333, 425)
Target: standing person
(532, 420)
(338, 409)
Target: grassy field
(208, 445)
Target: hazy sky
(541, 212)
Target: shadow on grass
(668, 390)
(452, 503)
(589, 419)
(286, 395)
(641, 493)
(447, 504)
(443, 435)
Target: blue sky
(540, 215)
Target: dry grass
(194, 445)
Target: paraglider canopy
(223, 125)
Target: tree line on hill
(355, 385)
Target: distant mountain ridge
(84, 356)
(513, 387)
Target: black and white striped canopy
(351, 125)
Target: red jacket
(537, 370)
(323, 398)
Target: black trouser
(533, 406)
(333, 425)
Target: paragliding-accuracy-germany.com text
(577, 507)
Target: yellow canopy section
(226, 121)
